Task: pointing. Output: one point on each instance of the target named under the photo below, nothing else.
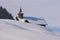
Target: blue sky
(48, 9)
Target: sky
(48, 9)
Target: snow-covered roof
(41, 22)
(36, 20)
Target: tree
(4, 14)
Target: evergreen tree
(4, 14)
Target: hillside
(15, 30)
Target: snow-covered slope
(15, 30)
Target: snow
(15, 30)
(21, 20)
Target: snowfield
(15, 30)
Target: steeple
(20, 10)
(20, 14)
(20, 17)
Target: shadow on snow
(15, 26)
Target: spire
(20, 14)
(20, 10)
